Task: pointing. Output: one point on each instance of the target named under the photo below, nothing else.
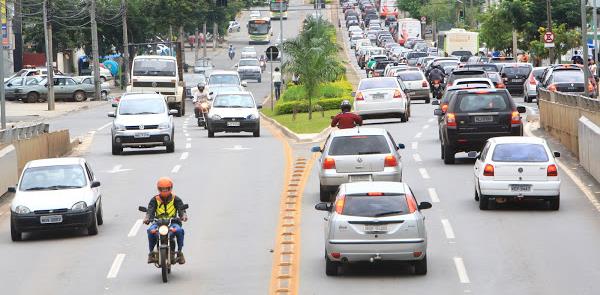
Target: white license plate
(51, 219)
(378, 96)
(481, 119)
(141, 135)
(365, 177)
(520, 187)
(233, 124)
(516, 80)
(376, 227)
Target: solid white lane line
(425, 126)
(424, 173)
(176, 169)
(461, 270)
(188, 145)
(433, 196)
(104, 126)
(414, 145)
(419, 135)
(184, 156)
(448, 229)
(135, 228)
(417, 157)
(114, 269)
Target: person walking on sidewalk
(277, 81)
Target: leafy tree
(411, 6)
(495, 31)
(564, 40)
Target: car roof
(488, 90)
(55, 162)
(235, 93)
(374, 186)
(141, 95)
(517, 139)
(468, 86)
(223, 72)
(472, 80)
(359, 131)
(156, 57)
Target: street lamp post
(585, 47)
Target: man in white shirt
(277, 81)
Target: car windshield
(514, 71)
(449, 63)
(358, 145)
(224, 79)
(248, 62)
(375, 206)
(377, 83)
(482, 102)
(154, 67)
(520, 152)
(141, 106)
(219, 89)
(52, 178)
(462, 53)
(233, 101)
(568, 76)
(410, 76)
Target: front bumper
(31, 222)
(249, 75)
(539, 189)
(224, 125)
(333, 179)
(142, 138)
(386, 250)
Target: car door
(60, 90)
(9, 89)
(92, 178)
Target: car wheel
(421, 266)
(324, 195)
(428, 100)
(259, 80)
(181, 109)
(93, 228)
(442, 151)
(79, 96)
(100, 215)
(171, 144)
(15, 235)
(116, 149)
(104, 95)
(449, 154)
(211, 133)
(32, 97)
(256, 133)
(476, 196)
(331, 267)
(555, 204)
(404, 117)
(484, 202)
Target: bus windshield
(259, 27)
(278, 6)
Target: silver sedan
(381, 97)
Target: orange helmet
(164, 186)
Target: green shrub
(287, 107)
(337, 89)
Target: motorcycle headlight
(216, 117)
(79, 206)
(164, 125)
(22, 210)
(163, 230)
(119, 127)
(251, 117)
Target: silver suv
(142, 121)
(357, 154)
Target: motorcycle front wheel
(164, 256)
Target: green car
(65, 88)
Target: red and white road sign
(549, 37)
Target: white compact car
(381, 97)
(373, 222)
(234, 112)
(56, 193)
(515, 168)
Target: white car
(56, 193)
(381, 97)
(249, 52)
(515, 168)
(472, 81)
(531, 84)
(234, 112)
(417, 86)
(234, 26)
(375, 222)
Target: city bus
(279, 9)
(259, 30)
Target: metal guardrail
(7, 136)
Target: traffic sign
(423, 19)
(549, 37)
(272, 53)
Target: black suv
(474, 116)
(514, 75)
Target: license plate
(516, 80)
(376, 227)
(520, 187)
(412, 93)
(141, 135)
(378, 96)
(482, 119)
(355, 178)
(51, 219)
(233, 124)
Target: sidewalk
(22, 114)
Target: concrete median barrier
(47, 145)
(9, 169)
(589, 153)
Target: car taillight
(500, 85)
(412, 204)
(552, 87)
(359, 96)
(339, 204)
(375, 74)
(451, 120)
(488, 170)
(532, 80)
(424, 84)
(397, 94)
(329, 163)
(390, 161)
(552, 170)
(444, 107)
(515, 118)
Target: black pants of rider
(277, 89)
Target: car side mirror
(244, 84)
(438, 112)
(142, 209)
(114, 105)
(323, 206)
(472, 155)
(235, 65)
(316, 149)
(425, 205)
(95, 184)
(112, 114)
(259, 106)
(521, 109)
(557, 154)
(12, 189)
(9, 85)
(435, 102)
(401, 146)
(185, 206)
(173, 112)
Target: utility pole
(549, 17)
(49, 57)
(281, 33)
(125, 69)
(595, 51)
(2, 96)
(18, 32)
(586, 72)
(95, 55)
(215, 32)
(204, 41)
(196, 37)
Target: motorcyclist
(370, 65)
(436, 73)
(263, 62)
(346, 119)
(231, 51)
(200, 96)
(165, 205)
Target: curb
(294, 136)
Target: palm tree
(313, 56)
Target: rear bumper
(466, 142)
(332, 179)
(539, 189)
(386, 250)
(31, 222)
(419, 94)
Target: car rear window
(359, 145)
(513, 71)
(375, 206)
(568, 76)
(483, 102)
(410, 76)
(520, 152)
(377, 83)
(487, 68)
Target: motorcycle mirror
(142, 209)
(185, 206)
(435, 102)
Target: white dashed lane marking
(417, 157)
(176, 169)
(189, 139)
(425, 126)
(430, 120)
(461, 270)
(104, 126)
(424, 173)
(188, 145)
(184, 156)
(448, 229)
(114, 269)
(135, 228)
(433, 196)
(414, 145)
(418, 135)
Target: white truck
(458, 40)
(408, 28)
(158, 74)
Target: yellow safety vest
(165, 210)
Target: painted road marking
(237, 148)
(417, 157)
(448, 229)
(104, 126)
(425, 126)
(186, 134)
(414, 145)
(176, 169)
(189, 139)
(118, 169)
(184, 156)
(188, 145)
(461, 270)
(135, 228)
(430, 120)
(433, 196)
(419, 135)
(424, 173)
(114, 269)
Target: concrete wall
(589, 152)
(9, 171)
(47, 145)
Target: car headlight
(171, 98)
(251, 117)
(215, 117)
(22, 210)
(119, 127)
(164, 125)
(79, 206)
